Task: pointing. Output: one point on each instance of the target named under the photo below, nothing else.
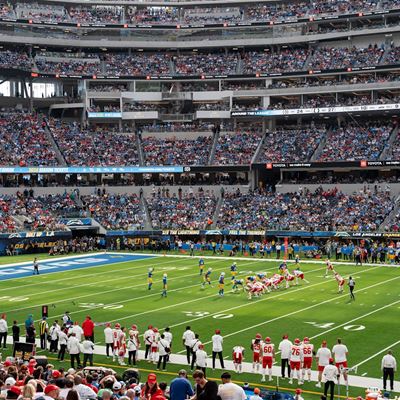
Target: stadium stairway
(145, 208)
(216, 211)
(259, 149)
(389, 144)
(139, 149)
(60, 156)
(213, 148)
(354, 380)
(391, 215)
(320, 147)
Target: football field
(113, 288)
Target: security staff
(43, 330)
(389, 366)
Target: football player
(268, 354)
(236, 284)
(207, 277)
(201, 265)
(329, 267)
(341, 281)
(150, 278)
(256, 347)
(237, 356)
(233, 271)
(308, 352)
(165, 285)
(296, 357)
(221, 284)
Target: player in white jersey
(288, 278)
(256, 347)
(341, 281)
(323, 355)
(308, 352)
(154, 346)
(122, 347)
(237, 356)
(296, 357)
(268, 354)
(116, 340)
(329, 267)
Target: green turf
(119, 293)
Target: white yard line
(377, 354)
(122, 288)
(292, 313)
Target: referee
(35, 266)
(389, 367)
(352, 284)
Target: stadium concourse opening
(203, 187)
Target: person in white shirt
(187, 337)
(163, 352)
(74, 350)
(331, 375)
(87, 350)
(148, 340)
(201, 359)
(323, 355)
(217, 341)
(229, 390)
(194, 345)
(85, 392)
(77, 330)
(109, 339)
(53, 333)
(132, 347)
(296, 358)
(168, 336)
(3, 330)
(256, 395)
(62, 340)
(389, 367)
(284, 347)
(340, 352)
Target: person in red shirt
(88, 328)
(151, 390)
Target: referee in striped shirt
(352, 284)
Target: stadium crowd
(23, 141)
(175, 151)
(114, 212)
(320, 210)
(197, 15)
(187, 210)
(355, 142)
(291, 144)
(235, 149)
(93, 148)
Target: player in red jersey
(268, 354)
(329, 267)
(308, 352)
(256, 347)
(296, 357)
(341, 281)
(237, 356)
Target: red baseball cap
(285, 336)
(217, 331)
(15, 389)
(7, 363)
(152, 378)
(324, 343)
(56, 374)
(330, 360)
(298, 391)
(50, 388)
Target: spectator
(180, 387)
